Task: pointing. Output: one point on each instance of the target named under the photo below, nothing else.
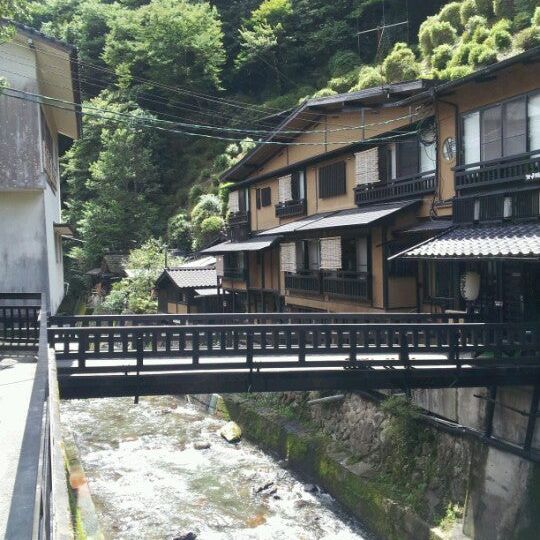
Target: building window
(501, 130)
(50, 158)
(407, 158)
(332, 180)
(263, 197)
(354, 254)
(307, 255)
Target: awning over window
(253, 244)
(64, 229)
(356, 217)
(518, 241)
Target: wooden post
(195, 347)
(140, 362)
(490, 411)
(83, 342)
(301, 345)
(352, 344)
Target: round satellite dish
(449, 149)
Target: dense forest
(175, 91)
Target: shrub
(482, 55)
(454, 72)
(528, 38)
(195, 192)
(472, 26)
(209, 228)
(441, 56)
(343, 83)
(536, 17)
(484, 8)
(480, 35)
(324, 92)
(501, 39)
(451, 14)
(208, 205)
(400, 64)
(433, 33)
(468, 9)
(503, 8)
(461, 55)
(424, 35)
(368, 77)
(343, 62)
(179, 229)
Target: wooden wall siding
(332, 180)
(264, 217)
(331, 253)
(367, 166)
(285, 188)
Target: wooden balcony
(522, 167)
(401, 188)
(305, 282)
(291, 208)
(348, 284)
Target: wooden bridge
(100, 356)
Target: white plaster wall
(55, 267)
(23, 263)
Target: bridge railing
(40, 505)
(19, 326)
(261, 346)
(162, 319)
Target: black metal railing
(19, 325)
(291, 208)
(92, 321)
(40, 504)
(306, 282)
(238, 219)
(347, 284)
(523, 167)
(401, 188)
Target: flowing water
(149, 482)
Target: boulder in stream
(185, 536)
(201, 445)
(231, 432)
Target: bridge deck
(17, 371)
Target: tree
(13, 10)
(118, 183)
(400, 64)
(180, 233)
(173, 42)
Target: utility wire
(250, 131)
(147, 123)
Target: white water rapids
(148, 482)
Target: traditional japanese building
(321, 217)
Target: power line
(147, 123)
(250, 131)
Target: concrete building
(32, 129)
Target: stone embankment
(402, 477)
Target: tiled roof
(480, 241)
(201, 262)
(253, 244)
(186, 278)
(430, 225)
(344, 218)
(116, 263)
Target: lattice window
(288, 257)
(285, 188)
(234, 201)
(331, 253)
(367, 166)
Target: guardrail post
(83, 344)
(352, 345)
(195, 347)
(140, 362)
(301, 346)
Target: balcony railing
(238, 219)
(239, 226)
(291, 208)
(345, 284)
(348, 284)
(401, 188)
(522, 167)
(309, 282)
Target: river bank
(401, 475)
(148, 479)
